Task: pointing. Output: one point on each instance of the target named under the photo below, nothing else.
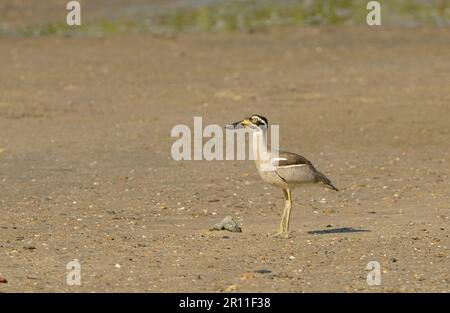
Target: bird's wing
(293, 168)
(288, 159)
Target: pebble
(228, 223)
(230, 288)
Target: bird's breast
(269, 175)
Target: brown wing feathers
(288, 158)
(322, 178)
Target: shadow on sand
(337, 231)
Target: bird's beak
(240, 124)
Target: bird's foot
(280, 235)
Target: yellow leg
(287, 213)
(283, 232)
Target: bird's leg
(281, 233)
(287, 213)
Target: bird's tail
(323, 179)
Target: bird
(283, 169)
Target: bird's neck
(260, 150)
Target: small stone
(263, 271)
(228, 223)
(230, 288)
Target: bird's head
(253, 121)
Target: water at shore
(172, 16)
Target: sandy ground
(86, 172)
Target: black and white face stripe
(258, 120)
